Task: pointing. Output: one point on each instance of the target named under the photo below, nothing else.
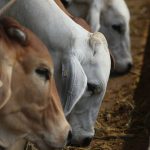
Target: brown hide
(29, 103)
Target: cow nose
(94, 88)
(129, 66)
(86, 142)
(80, 142)
(69, 137)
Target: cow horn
(6, 7)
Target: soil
(124, 119)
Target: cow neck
(53, 26)
(67, 30)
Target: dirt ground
(124, 118)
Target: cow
(30, 107)
(111, 17)
(83, 23)
(81, 61)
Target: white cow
(81, 59)
(111, 17)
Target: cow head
(29, 104)
(114, 22)
(96, 65)
(111, 17)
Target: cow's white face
(114, 21)
(112, 18)
(84, 114)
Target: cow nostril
(86, 141)
(69, 137)
(129, 66)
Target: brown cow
(29, 104)
(78, 20)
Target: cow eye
(43, 72)
(94, 88)
(120, 28)
(65, 2)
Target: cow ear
(17, 34)
(74, 82)
(5, 83)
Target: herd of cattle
(32, 107)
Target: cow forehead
(32, 48)
(119, 6)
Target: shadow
(116, 74)
(140, 122)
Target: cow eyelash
(43, 72)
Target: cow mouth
(40, 144)
(54, 147)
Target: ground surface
(123, 120)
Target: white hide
(66, 39)
(111, 17)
